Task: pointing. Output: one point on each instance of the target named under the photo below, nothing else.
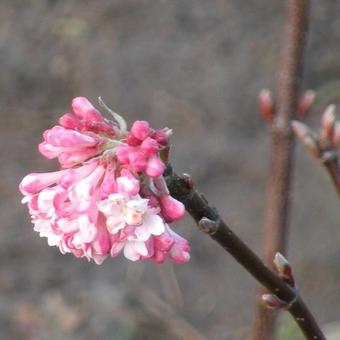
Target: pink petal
(35, 182)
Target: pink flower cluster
(110, 195)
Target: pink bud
(140, 129)
(301, 130)
(161, 136)
(149, 146)
(132, 140)
(59, 136)
(137, 161)
(336, 135)
(122, 153)
(305, 103)
(33, 183)
(154, 167)
(109, 183)
(72, 158)
(328, 121)
(83, 108)
(266, 105)
(73, 175)
(171, 208)
(159, 257)
(49, 151)
(180, 254)
(70, 121)
(164, 242)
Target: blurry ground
(195, 66)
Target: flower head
(109, 196)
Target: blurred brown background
(195, 66)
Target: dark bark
(210, 222)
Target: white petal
(142, 233)
(130, 252)
(154, 224)
(141, 248)
(53, 239)
(116, 248)
(87, 230)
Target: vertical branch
(281, 151)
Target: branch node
(188, 181)
(208, 226)
(271, 301)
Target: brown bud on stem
(208, 226)
(284, 269)
(271, 301)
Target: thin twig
(281, 151)
(211, 223)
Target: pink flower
(110, 196)
(69, 146)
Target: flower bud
(122, 153)
(154, 167)
(305, 103)
(303, 133)
(172, 209)
(70, 121)
(162, 136)
(266, 105)
(284, 269)
(137, 161)
(140, 129)
(336, 135)
(328, 121)
(149, 146)
(84, 109)
(272, 301)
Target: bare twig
(281, 152)
(211, 223)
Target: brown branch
(211, 223)
(281, 151)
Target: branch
(210, 222)
(323, 146)
(281, 152)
